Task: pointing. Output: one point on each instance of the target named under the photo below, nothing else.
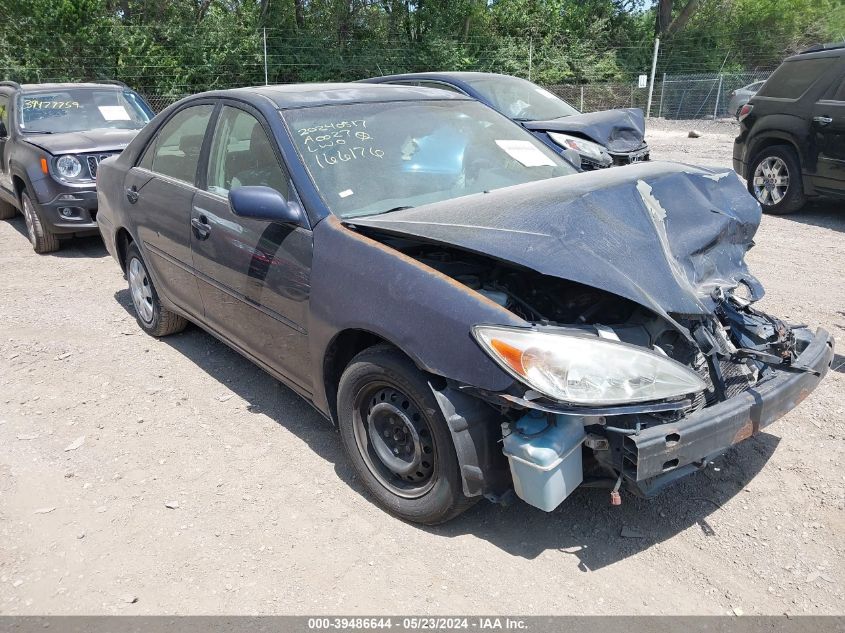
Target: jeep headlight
(68, 167)
(585, 148)
(584, 370)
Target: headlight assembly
(68, 167)
(587, 148)
(588, 371)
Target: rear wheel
(43, 241)
(397, 439)
(775, 180)
(153, 318)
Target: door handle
(132, 194)
(823, 120)
(201, 229)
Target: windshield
(520, 99)
(375, 157)
(80, 109)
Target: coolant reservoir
(544, 452)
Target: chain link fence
(701, 96)
(692, 96)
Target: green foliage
(172, 47)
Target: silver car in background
(741, 96)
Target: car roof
(70, 85)
(287, 96)
(446, 75)
(821, 50)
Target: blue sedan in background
(601, 139)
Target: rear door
(254, 275)
(160, 190)
(828, 127)
(5, 131)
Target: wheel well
(122, 241)
(766, 143)
(341, 351)
(19, 185)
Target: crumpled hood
(664, 235)
(105, 140)
(618, 130)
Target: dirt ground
(140, 476)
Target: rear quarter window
(792, 79)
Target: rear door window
(4, 116)
(176, 150)
(792, 79)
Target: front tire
(397, 439)
(775, 180)
(43, 241)
(153, 318)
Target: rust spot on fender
(337, 223)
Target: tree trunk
(299, 13)
(683, 17)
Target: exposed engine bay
(624, 313)
(731, 350)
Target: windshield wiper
(37, 132)
(367, 214)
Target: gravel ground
(140, 476)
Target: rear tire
(153, 318)
(43, 241)
(397, 439)
(774, 179)
(7, 211)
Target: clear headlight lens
(587, 148)
(584, 370)
(68, 166)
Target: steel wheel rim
(404, 460)
(141, 290)
(771, 180)
(30, 222)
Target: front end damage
(665, 273)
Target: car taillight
(744, 111)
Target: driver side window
(4, 116)
(242, 155)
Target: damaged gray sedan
(475, 317)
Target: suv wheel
(43, 241)
(7, 211)
(151, 316)
(397, 439)
(776, 180)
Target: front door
(828, 127)
(165, 180)
(5, 130)
(254, 276)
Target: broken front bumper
(664, 453)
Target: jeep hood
(618, 130)
(663, 235)
(105, 140)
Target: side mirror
(3, 131)
(263, 203)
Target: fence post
(266, 82)
(651, 82)
(582, 98)
(718, 96)
(530, 54)
(662, 88)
